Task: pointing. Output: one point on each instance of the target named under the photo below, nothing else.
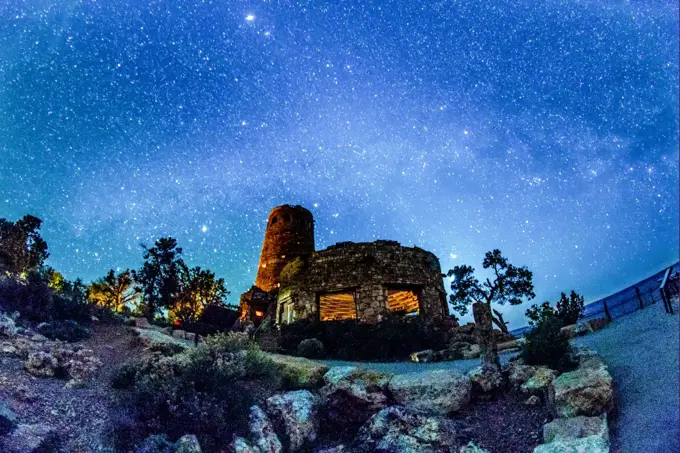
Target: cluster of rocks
(463, 344)
(580, 400)
(47, 358)
(406, 413)
(24, 438)
(584, 328)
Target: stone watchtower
(289, 234)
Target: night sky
(548, 129)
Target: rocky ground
(506, 421)
(76, 414)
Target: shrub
(546, 345)
(68, 330)
(166, 349)
(205, 390)
(310, 348)
(395, 338)
(570, 309)
(123, 377)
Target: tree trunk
(500, 322)
(487, 340)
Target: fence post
(606, 312)
(668, 298)
(665, 300)
(639, 296)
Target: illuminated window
(288, 313)
(403, 300)
(259, 314)
(337, 306)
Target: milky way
(546, 129)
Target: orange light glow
(259, 314)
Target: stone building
(348, 280)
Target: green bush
(395, 338)
(546, 345)
(310, 348)
(205, 390)
(68, 330)
(166, 349)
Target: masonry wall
(368, 269)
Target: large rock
(262, 432)
(241, 445)
(485, 379)
(188, 444)
(539, 382)
(30, 439)
(585, 391)
(436, 392)
(8, 419)
(514, 344)
(41, 364)
(518, 373)
(592, 444)
(398, 429)
(576, 428)
(142, 323)
(365, 386)
(297, 415)
(352, 395)
(300, 372)
(7, 326)
(465, 350)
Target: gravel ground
(79, 415)
(641, 350)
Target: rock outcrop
(585, 391)
(485, 379)
(398, 429)
(296, 413)
(436, 392)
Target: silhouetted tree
(159, 277)
(511, 284)
(113, 291)
(21, 246)
(199, 289)
(570, 309)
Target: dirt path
(79, 415)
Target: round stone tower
(289, 234)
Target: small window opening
(274, 220)
(403, 300)
(337, 306)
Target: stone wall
(367, 269)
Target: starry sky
(548, 129)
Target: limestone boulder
(29, 439)
(262, 432)
(399, 429)
(465, 350)
(539, 382)
(296, 413)
(188, 444)
(434, 392)
(300, 372)
(142, 323)
(592, 444)
(241, 445)
(586, 391)
(576, 428)
(352, 395)
(485, 379)
(518, 373)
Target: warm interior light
(259, 313)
